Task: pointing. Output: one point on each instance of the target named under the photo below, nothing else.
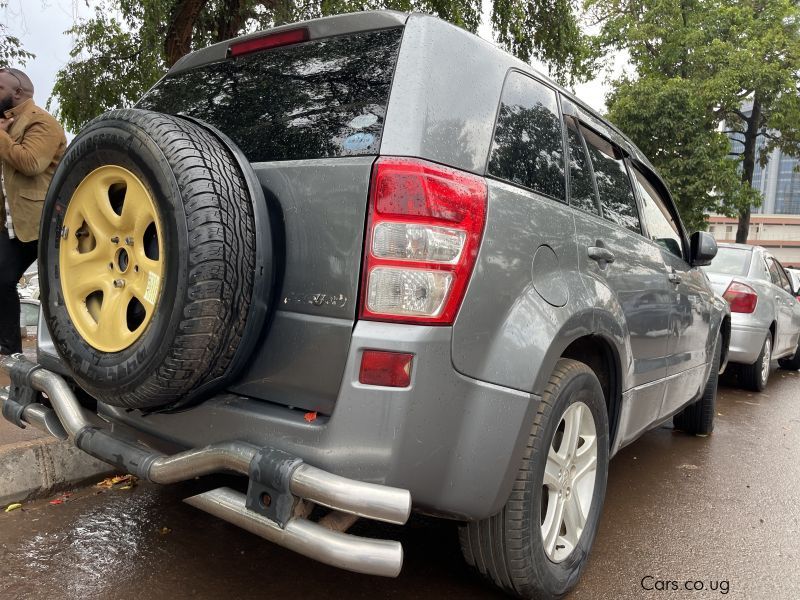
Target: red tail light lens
(741, 297)
(390, 369)
(273, 40)
(425, 227)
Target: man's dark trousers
(15, 257)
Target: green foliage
(127, 45)
(672, 125)
(699, 67)
(110, 66)
(12, 54)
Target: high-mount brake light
(742, 298)
(273, 40)
(425, 226)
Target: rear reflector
(742, 298)
(273, 40)
(425, 227)
(389, 369)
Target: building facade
(780, 234)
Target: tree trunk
(178, 40)
(230, 19)
(752, 126)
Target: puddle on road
(82, 547)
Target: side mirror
(703, 248)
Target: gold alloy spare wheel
(111, 259)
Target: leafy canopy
(699, 67)
(123, 49)
(12, 54)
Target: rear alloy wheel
(754, 377)
(538, 545)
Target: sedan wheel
(754, 377)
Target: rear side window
(581, 188)
(318, 99)
(784, 278)
(528, 148)
(613, 184)
(773, 271)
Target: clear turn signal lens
(412, 241)
(408, 292)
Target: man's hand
(5, 124)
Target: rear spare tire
(152, 269)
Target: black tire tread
(750, 375)
(497, 547)
(698, 417)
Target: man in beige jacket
(31, 144)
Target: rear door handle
(600, 254)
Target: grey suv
(371, 262)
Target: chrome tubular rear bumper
(279, 483)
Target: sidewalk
(34, 464)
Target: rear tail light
(425, 226)
(272, 40)
(742, 298)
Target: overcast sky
(41, 25)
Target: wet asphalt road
(721, 511)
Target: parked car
(765, 312)
(367, 260)
(29, 318)
(794, 279)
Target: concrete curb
(36, 468)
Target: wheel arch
(597, 339)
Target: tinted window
(661, 228)
(581, 189)
(613, 185)
(313, 100)
(528, 148)
(730, 261)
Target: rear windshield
(323, 98)
(730, 261)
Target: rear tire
(698, 417)
(754, 377)
(509, 548)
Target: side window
(773, 271)
(785, 284)
(661, 227)
(581, 188)
(528, 148)
(613, 184)
(759, 269)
